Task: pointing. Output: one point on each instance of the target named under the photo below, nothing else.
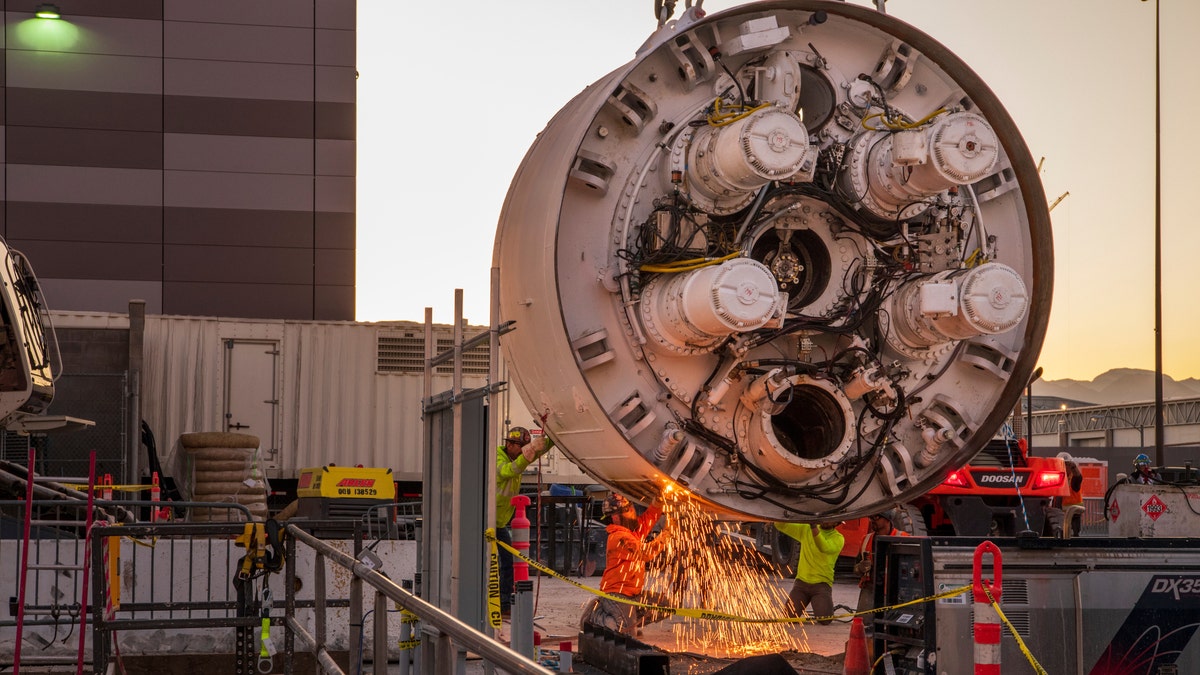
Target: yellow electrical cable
(688, 265)
(868, 117)
(923, 120)
(719, 119)
(889, 125)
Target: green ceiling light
(48, 11)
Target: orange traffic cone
(857, 662)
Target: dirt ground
(558, 606)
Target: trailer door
(252, 394)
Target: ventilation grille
(1015, 592)
(404, 352)
(998, 453)
(14, 448)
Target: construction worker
(512, 458)
(1064, 515)
(627, 553)
(1142, 473)
(882, 523)
(819, 549)
(1072, 504)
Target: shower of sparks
(703, 567)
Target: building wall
(197, 155)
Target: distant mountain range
(1117, 386)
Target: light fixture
(47, 11)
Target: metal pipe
(58, 492)
(323, 657)
(380, 658)
(407, 649)
(447, 625)
(83, 593)
(289, 607)
(417, 586)
(1158, 329)
(29, 485)
(461, 569)
(425, 549)
(356, 625)
(136, 462)
(319, 597)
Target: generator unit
(1086, 606)
(344, 492)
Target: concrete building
(197, 155)
(1115, 433)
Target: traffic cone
(857, 662)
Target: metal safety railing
(166, 589)
(162, 588)
(438, 638)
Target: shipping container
(313, 392)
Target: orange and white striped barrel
(987, 618)
(520, 537)
(155, 495)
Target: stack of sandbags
(224, 467)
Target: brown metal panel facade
(198, 155)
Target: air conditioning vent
(404, 352)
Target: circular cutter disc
(711, 289)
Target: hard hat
(519, 435)
(1141, 460)
(1066, 457)
(889, 515)
(614, 503)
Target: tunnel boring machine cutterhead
(794, 257)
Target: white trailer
(313, 392)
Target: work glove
(536, 448)
(862, 566)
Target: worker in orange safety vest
(626, 555)
(1072, 504)
(881, 523)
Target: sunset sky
(450, 96)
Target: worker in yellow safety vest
(518, 452)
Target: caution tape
(84, 487)
(406, 645)
(1037, 667)
(708, 614)
(494, 615)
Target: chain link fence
(99, 397)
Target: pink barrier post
(521, 637)
(155, 496)
(987, 618)
(520, 537)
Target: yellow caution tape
(494, 616)
(83, 487)
(408, 617)
(709, 614)
(406, 645)
(1037, 667)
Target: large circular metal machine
(794, 257)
